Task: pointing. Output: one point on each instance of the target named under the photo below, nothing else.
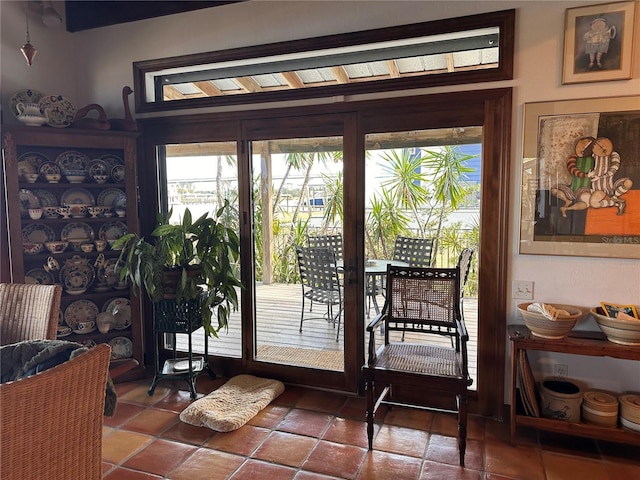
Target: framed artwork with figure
(581, 178)
(599, 43)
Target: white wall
(92, 66)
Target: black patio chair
(424, 303)
(320, 282)
(329, 241)
(415, 251)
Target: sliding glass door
(333, 171)
(299, 320)
(297, 199)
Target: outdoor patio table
(375, 269)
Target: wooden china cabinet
(97, 177)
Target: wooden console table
(593, 344)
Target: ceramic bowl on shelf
(544, 327)
(56, 246)
(32, 248)
(30, 177)
(53, 177)
(76, 243)
(50, 212)
(75, 176)
(618, 330)
(100, 178)
(78, 210)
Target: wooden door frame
(491, 108)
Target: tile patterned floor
(310, 435)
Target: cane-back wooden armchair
(425, 343)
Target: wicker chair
(28, 312)
(415, 251)
(424, 304)
(51, 422)
(320, 282)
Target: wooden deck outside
(278, 312)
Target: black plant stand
(185, 317)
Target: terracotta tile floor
(311, 435)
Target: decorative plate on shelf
(121, 347)
(77, 263)
(27, 95)
(76, 282)
(38, 233)
(111, 160)
(97, 167)
(72, 160)
(108, 196)
(60, 111)
(80, 311)
(77, 196)
(49, 168)
(31, 162)
(27, 200)
(77, 231)
(120, 308)
(39, 276)
(47, 198)
(117, 173)
(112, 230)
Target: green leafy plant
(189, 260)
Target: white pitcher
(30, 114)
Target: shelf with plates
(71, 193)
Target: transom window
(467, 49)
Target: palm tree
(447, 169)
(334, 208)
(407, 182)
(384, 223)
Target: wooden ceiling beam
(394, 72)
(341, 74)
(208, 88)
(172, 93)
(249, 84)
(292, 79)
(450, 64)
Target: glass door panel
(200, 177)
(297, 201)
(424, 184)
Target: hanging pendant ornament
(28, 50)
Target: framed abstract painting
(581, 178)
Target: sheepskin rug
(233, 404)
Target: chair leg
(302, 313)
(369, 386)
(462, 426)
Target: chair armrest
(376, 321)
(462, 329)
(371, 328)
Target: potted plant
(189, 260)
